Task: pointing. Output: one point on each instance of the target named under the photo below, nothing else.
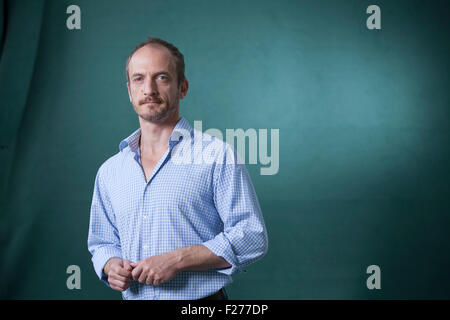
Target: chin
(154, 116)
(151, 115)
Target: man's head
(155, 79)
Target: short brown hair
(178, 56)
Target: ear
(184, 88)
(129, 92)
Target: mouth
(151, 102)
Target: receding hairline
(173, 58)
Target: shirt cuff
(221, 247)
(101, 256)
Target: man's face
(153, 84)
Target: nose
(150, 88)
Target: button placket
(144, 216)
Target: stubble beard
(157, 115)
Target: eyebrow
(155, 74)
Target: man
(166, 229)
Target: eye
(138, 79)
(163, 77)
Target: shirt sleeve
(244, 238)
(103, 238)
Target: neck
(155, 134)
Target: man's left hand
(157, 269)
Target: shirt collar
(177, 135)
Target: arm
(103, 237)
(244, 238)
(199, 257)
(161, 268)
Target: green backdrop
(364, 136)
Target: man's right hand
(119, 273)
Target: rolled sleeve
(221, 247)
(244, 238)
(103, 238)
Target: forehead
(152, 58)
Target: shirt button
(145, 217)
(146, 246)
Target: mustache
(149, 100)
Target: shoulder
(213, 148)
(110, 166)
(221, 155)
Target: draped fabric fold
(20, 26)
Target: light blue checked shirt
(197, 194)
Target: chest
(175, 189)
(149, 162)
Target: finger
(136, 272)
(114, 287)
(127, 265)
(117, 285)
(116, 276)
(118, 269)
(143, 276)
(149, 279)
(122, 272)
(156, 281)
